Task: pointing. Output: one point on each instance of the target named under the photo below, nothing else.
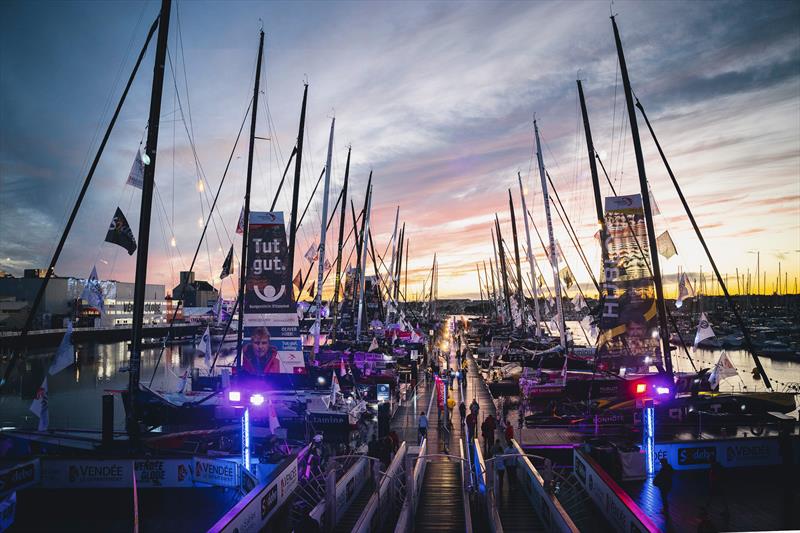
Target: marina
(557, 351)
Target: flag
(723, 369)
(136, 176)
(218, 307)
(335, 388)
(541, 282)
(183, 381)
(119, 232)
(342, 369)
(39, 406)
(311, 289)
(373, 345)
(578, 302)
(311, 254)
(298, 280)
(65, 355)
(685, 290)
(590, 329)
(93, 292)
(204, 346)
(653, 205)
(566, 275)
(227, 266)
(665, 245)
(415, 337)
(274, 423)
(327, 266)
(240, 224)
(704, 330)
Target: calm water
(75, 393)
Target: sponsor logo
(703, 455)
(268, 501)
(86, 473)
(150, 472)
(748, 453)
(18, 476)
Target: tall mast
(496, 272)
(552, 255)
(245, 229)
(480, 287)
(323, 232)
(363, 270)
(494, 291)
(392, 280)
(536, 316)
(648, 214)
(151, 149)
(296, 188)
(342, 219)
(405, 260)
(520, 291)
(399, 270)
(500, 247)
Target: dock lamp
(649, 433)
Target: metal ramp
(578, 504)
(353, 513)
(515, 510)
(441, 505)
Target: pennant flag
(665, 245)
(311, 289)
(183, 382)
(578, 302)
(541, 281)
(311, 254)
(39, 406)
(136, 176)
(274, 424)
(240, 224)
(653, 205)
(218, 307)
(119, 232)
(327, 265)
(373, 345)
(298, 280)
(566, 276)
(204, 346)
(704, 330)
(335, 388)
(227, 266)
(93, 292)
(723, 369)
(342, 369)
(685, 290)
(65, 355)
(590, 329)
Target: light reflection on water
(76, 392)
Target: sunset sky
(436, 98)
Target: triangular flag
(136, 176)
(227, 266)
(665, 245)
(566, 275)
(311, 254)
(342, 368)
(704, 330)
(311, 289)
(65, 355)
(578, 302)
(93, 292)
(119, 232)
(723, 369)
(685, 290)
(274, 424)
(298, 280)
(39, 406)
(373, 345)
(335, 388)
(327, 265)
(204, 346)
(240, 224)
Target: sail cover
(268, 302)
(629, 315)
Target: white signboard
(116, 473)
(729, 453)
(216, 472)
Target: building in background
(195, 293)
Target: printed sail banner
(272, 330)
(629, 314)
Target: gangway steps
(515, 510)
(355, 509)
(441, 507)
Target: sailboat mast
(363, 269)
(501, 249)
(296, 188)
(648, 214)
(399, 270)
(494, 292)
(536, 316)
(520, 291)
(151, 149)
(323, 231)
(392, 280)
(342, 220)
(245, 229)
(496, 272)
(552, 250)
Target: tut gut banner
(269, 307)
(629, 315)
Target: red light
(641, 388)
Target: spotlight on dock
(257, 399)
(234, 396)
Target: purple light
(662, 390)
(256, 399)
(234, 396)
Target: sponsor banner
(629, 314)
(350, 485)
(730, 453)
(621, 512)
(87, 474)
(19, 476)
(253, 512)
(216, 472)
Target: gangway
(441, 505)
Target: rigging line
(614, 114)
(205, 227)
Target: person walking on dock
(422, 427)
(474, 408)
(509, 432)
(472, 423)
(462, 409)
(663, 481)
(487, 430)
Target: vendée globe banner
(268, 300)
(629, 315)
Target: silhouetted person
(663, 481)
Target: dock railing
(415, 473)
(386, 503)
